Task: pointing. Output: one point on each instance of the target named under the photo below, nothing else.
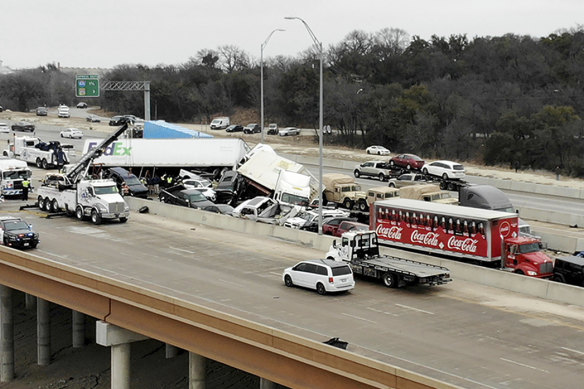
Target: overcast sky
(105, 33)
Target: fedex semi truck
(476, 235)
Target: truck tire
(288, 281)
(381, 177)
(389, 280)
(40, 203)
(79, 213)
(95, 217)
(320, 289)
(5, 153)
(356, 173)
(558, 278)
(348, 203)
(55, 206)
(38, 163)
(45, 164)
(47, 204)
(362, 205)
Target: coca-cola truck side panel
(441, 228)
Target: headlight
(531, 273)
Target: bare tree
(233, 59)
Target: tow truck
(360, 249)
(74, 192)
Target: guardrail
(490, 277)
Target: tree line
(511, 100)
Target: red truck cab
(525, 256)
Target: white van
(219, 123)
(63, 111)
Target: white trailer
(33, 150)
(12, 173)
(284, 179)
(171, 153)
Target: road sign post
(87, 86)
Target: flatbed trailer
(360, 250)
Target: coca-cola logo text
(427, 239)
(467, 245)
(393, 233)
(504, 229)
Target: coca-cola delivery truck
(468, 233)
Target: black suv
(252, 128)
(17, 233)
(569, 270)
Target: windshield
(529, 248)
(17, 225)
(102, 190)
(195, 197)
(132, 180)
(293, 199)
(16, 174)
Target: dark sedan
(408, 161)
(234, 128)
(23, 126)
(192, 198)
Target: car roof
(7, 218)
(326, 262)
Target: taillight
(331, 280)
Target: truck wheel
(123, 219)
(45, 164)
(288, 281)
(356, 173)
(95, 217)
(320, 289)
(38, 163)
(362, 206)
(54, 206)
(40, 203)
(79, 212)
(558, 278)
(381, 177)
(47, 204)
(5, 153)
(389, 280)
(348, 204)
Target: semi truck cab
(525, 256)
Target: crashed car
(266, 210)
(308, 220)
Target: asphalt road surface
(462, 333)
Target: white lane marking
(276, 274)
(359, 318)
(182, 250)
(380, 311)
(572, 350)
(524, 365)
(414, 309)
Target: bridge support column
(29, 301)
(171, 351)
(119, 340)
(43, 332)
(78, 329)
(6, 335)
(197, 366)
(267, 384)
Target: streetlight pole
(262, 79)
(318, 45)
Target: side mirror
(334, 243)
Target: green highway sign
(87, 86)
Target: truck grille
(116, 207)
(547, 267)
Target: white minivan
(322, 275)
(219, 123)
